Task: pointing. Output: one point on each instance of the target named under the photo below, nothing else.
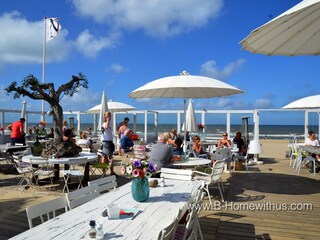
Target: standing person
(17, 132)
(107, 142)
(64, 125)
(121, 129)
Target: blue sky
(121, 45)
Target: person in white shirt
(107, 142)
(311, 140)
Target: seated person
(175, 134)
(177, 149)
(84, 141)
(238, 141)
(224, 142)
(197, 146)
(68, 136)
(51, 134)
(161, 154)
(311, 140)
(125, 142)
(30, 135)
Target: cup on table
(113, 211)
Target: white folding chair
(26, 172)
(47, 209)
(73, 172)
(188, 231)
(43, 171)
(180, 174)
(105, 183)
(168, 233)
(214, 177)
(223, 154)
(303, 160)
(82, 195)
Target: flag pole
(44, 64)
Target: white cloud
(160, 18)
(21, 41)
(116, 68)
(90, 46)
(81, 101)
(210, 69)
(263, 103)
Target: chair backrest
(47, 209)
(217, 170)
(105, 183)
(168, 232)
(82, 195)
(180, 174)
(223, 153)
(79, 160)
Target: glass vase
(140, 189)
(36, 148)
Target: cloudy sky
(121, 45)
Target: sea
(215, 130)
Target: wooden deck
(273, 185)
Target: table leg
(86, 173)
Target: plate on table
(134, 212)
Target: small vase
(36, 148)
(140, 189)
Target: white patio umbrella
(184, 86)
(24, 114)
(305, 103)
(103, 109)
(294, 32)
(190, 118)
(113, 107)
(24, 108)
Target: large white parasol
(113, 107)
(305, 103)
(294, 32)
(184, 86)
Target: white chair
(180, 174)
(26, 172)
(188, 231)
(48, 209)
(168, 233)
(98, 166)
(73, 172)
(223, 154)
(303, 160)
(214, 177)
(105, 183)
(81, 196)
(43, 171)
(241, 158)
(293, 154)
(7, 159)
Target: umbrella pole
(184, 130)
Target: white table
(91, 157)
(155, 214)
(192, 162)
(11, 148)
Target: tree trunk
(57, 122)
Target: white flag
(52, 28)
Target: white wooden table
(11, 148)
(192, 162)
(154, 214)
(91, 157)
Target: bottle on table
(92, 231)
(99, 234)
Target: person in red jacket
(17, 132)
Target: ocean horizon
(266, 131)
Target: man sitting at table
(125, 142)
(312, 141)
(161, 154)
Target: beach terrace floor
(274, 185)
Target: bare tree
(31, 88)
